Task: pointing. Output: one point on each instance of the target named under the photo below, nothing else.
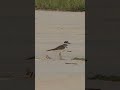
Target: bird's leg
(60, 56)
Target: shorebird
(60, 48)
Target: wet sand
(51, 30)
(61, 81)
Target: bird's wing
(59, 47)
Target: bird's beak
(69, 43)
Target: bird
(60, 48)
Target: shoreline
(43, 10)
(57, 10)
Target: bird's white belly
(59, 51)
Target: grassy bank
(61, 5)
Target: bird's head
(66, 42)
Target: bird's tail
(50, 50)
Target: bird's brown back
(61, 47)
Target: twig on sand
(76, 58)
(92, 89)
(71, 63)
(48, 57)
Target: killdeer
(60, 48)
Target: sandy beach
(52, 29)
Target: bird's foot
(69, 51)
